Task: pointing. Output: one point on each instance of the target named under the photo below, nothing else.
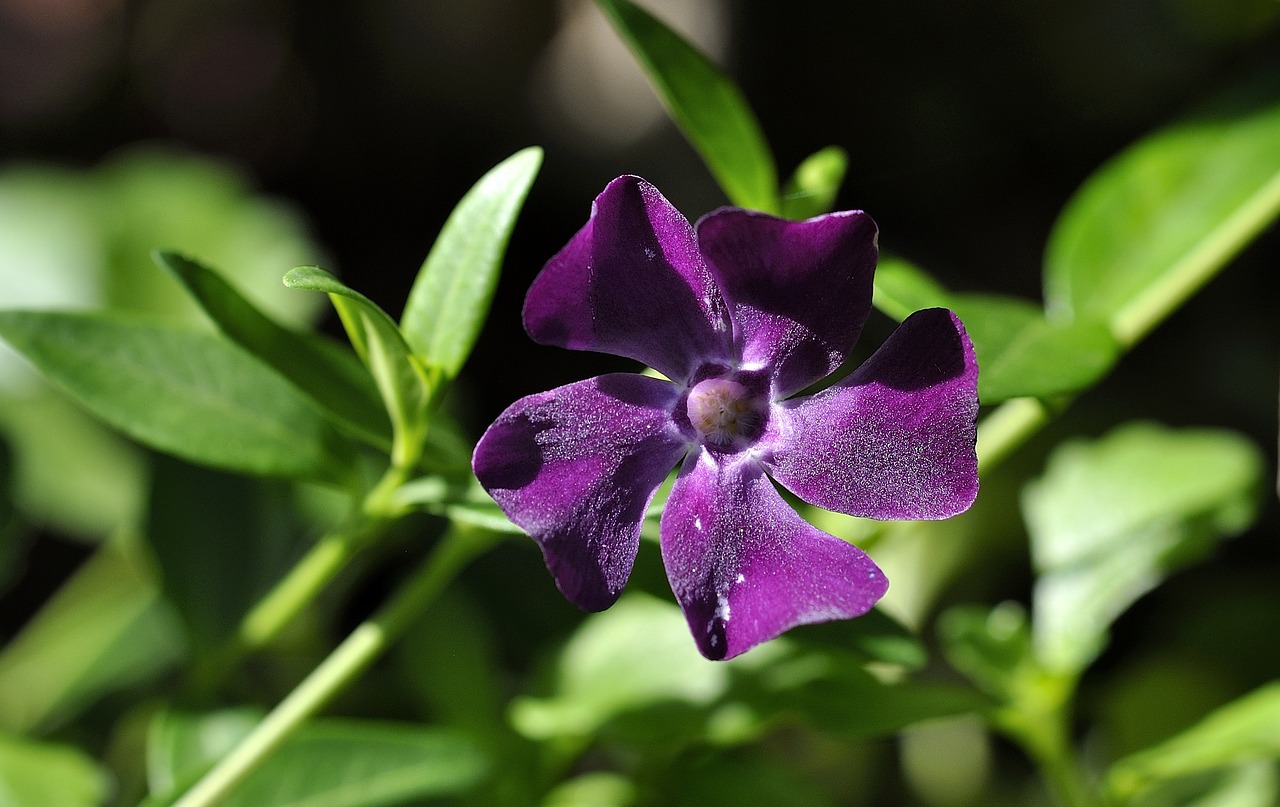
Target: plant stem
(1007, 427)
(364, 645)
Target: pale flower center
(724, 413)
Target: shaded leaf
(875, 636)
(36, 774)
(185, 393)
(991, 647)
(451, 295)
(1110, 519)
(1158, 220)
(1245, 730)
(401, 380)
(329, 374)
(706, 105)
(105, 629)
(812, 188)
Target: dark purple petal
(798, 291)
(632, 283)
(576, 468)
(745, 567)
(895, 440)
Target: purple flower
(740, 313)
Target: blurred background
(257, 135)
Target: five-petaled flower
(741, 313)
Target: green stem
(1007, 427)
(341, 667)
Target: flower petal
(895, 440)
(576, 467)
(745, 567)
(632, 283)
(798, 291)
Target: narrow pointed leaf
(812, 189)
(330, 375)
(1151, 226)
(450, 298)
(706, 105)
(185, 393)
(400, 377)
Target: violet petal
(576, 468)
(798, 291)
(745, 567)
(895, 440)
(632, 283)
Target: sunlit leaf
(400, 377)
(182, 392)
(105, 629)
(329, 374)
(1244, 730)
(450, 298)
(1020, 353)
(706, 105)
(1161, 218)
(1110, 519)
(37, 774)
(813, 186)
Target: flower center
(724, 413)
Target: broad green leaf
(329, 374)
(186, 393)
(325, 763)
(635, 655)
(450, 298)
(1244, 730)
(1110, 519)
(1020, 353)
(401, 379)
(220, 541)
(812, 189)
(181, 747)
(706, 105)
(991, 647)
(105, 629)
(1249, 784)
(875, 636)
(362, 763)
(37, 774)
(1152, 225)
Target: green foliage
(1246, 730)
(106, 629)
(1020, 352)
(183, 392)
(327, 763)
(1151, 226)
(812, 188)
(401, 378)
(1109, 520)
(330, 375)
(450, 298)
(706, 105)
(37, 774)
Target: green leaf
(635, 655)
(1152, 225)
(186, 393)
(812, 189)
(105, 629)
(705, 104)
(325, 763)
(401, 379)
(1110, 519)
(329, 374)
(1020, 353)
(875, 636)
(450, 298)
(221, 542)
(1244, 730)
(1249, 784)
(36, 774)
(991, 647)
(597, 789)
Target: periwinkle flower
(741, 313)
